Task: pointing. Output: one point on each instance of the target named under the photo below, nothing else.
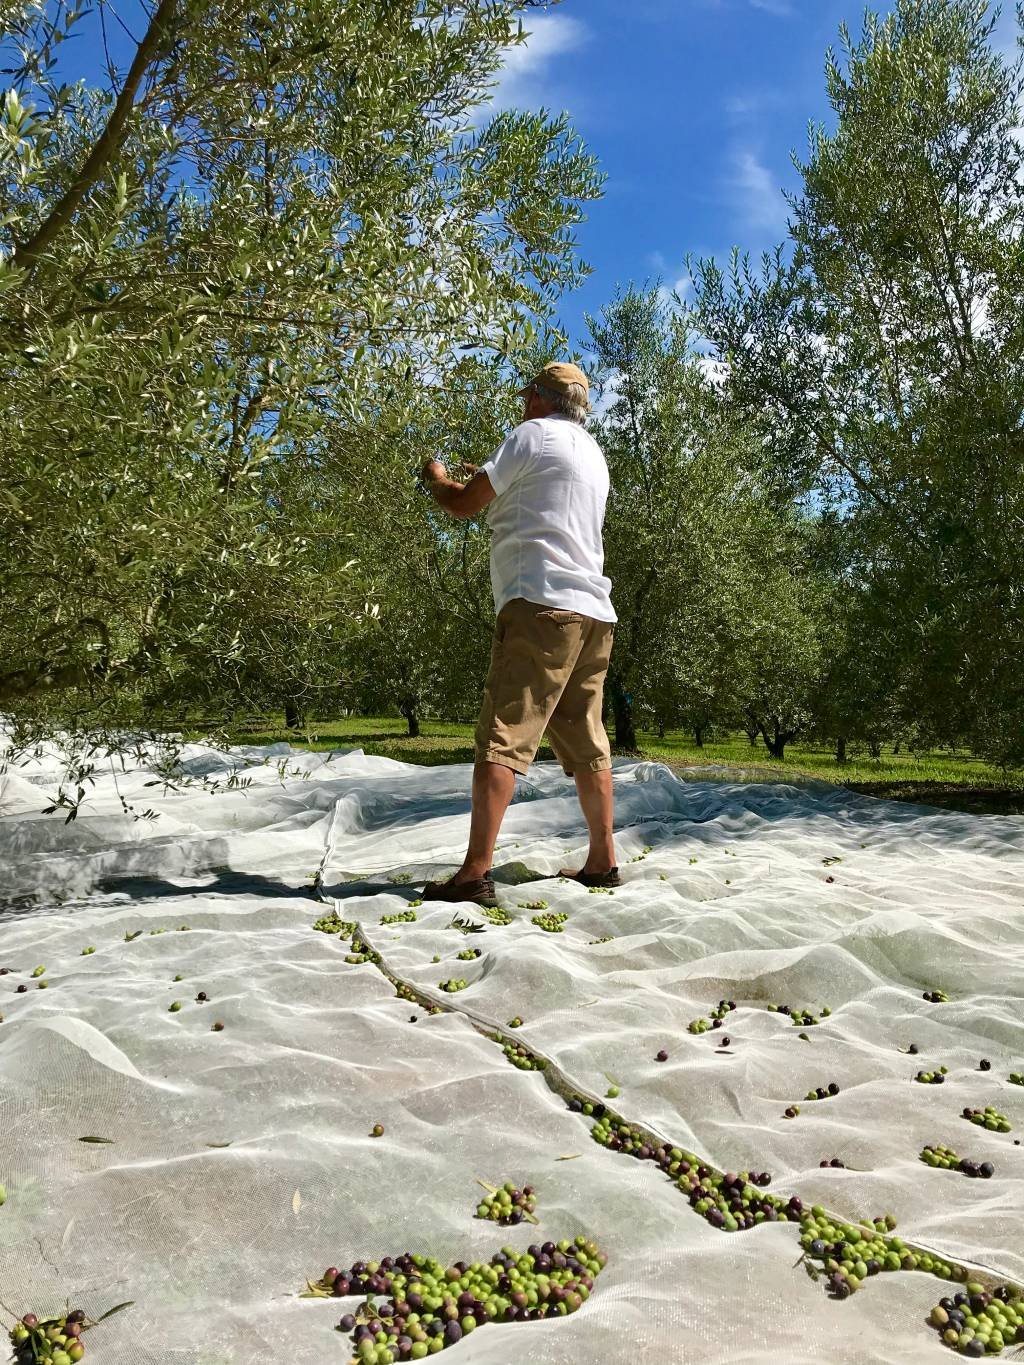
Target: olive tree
(209, 264)
(879, 361)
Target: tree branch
(27, 254)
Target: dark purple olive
(22, 989)
(549, 1248)
(452, 1333)
(347, 1323)
(662, 1056)
(833, 1089)
(575, 1106)
(984, 1064)
(341, 1286)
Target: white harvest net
(754, 892)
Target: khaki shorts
(547, 673)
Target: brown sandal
(477, 892)
(602, 879)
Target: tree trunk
(752, 730)
(294, 717)
(698, 736)
(622, 710)
(875, 748)
(661, 729)
(841, 749)
(776, 742)
(412, 720)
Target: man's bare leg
(493, 788)
(595, 796)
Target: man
(546, 489)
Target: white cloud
(667, 292)
(758, 197)
(529, 76)
(783, 9)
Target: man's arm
(459, 500)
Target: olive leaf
(116, 1309)
(95, 1139)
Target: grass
(944, 777)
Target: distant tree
(880, 368)
(702, 563)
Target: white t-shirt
(551, 486)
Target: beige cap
(557, 377)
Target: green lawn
(947, 778)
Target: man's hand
(432, 471)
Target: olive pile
(429, 1306)
(803, 1018)
(468, 954)
(731, 1201)
(551, 924)
(948, 1160)
(823, 1092)
(402, 917)
(834, 1162)
(507, 1206)
(361, 952)
(936, 997)
(57, 1341)
(988, 1118)
(932, 1077)
(522, 1057)
(331, 924)
(1016, 1077)
(497, 915)
(717, 1015)
(452, 986)
(978, 1323)
(850, 1253)
(533, 905)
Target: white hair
(573, 404)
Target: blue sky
(693, 108)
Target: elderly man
(546, 489)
